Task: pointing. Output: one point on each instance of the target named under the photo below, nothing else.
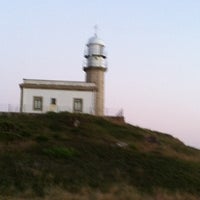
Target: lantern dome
(95, 40)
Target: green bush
(60, 152)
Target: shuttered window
(78, 105)
(37, 103)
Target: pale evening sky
(153, 55)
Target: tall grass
(42, 152)
(115, 193)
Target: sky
(153, 55)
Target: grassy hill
(74, 156)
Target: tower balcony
(93, 62)
(99, 52)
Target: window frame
(37, 103)
(75, 101)
(53, 101)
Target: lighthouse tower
(95, 68)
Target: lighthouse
(95, 69)
(40, 96)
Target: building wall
(64, 100)
(96, 75)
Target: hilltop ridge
(77, 155)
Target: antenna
(96, 30)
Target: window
(78, 105)
(37, 103)
(53, 101)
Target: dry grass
(116, 193)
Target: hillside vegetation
(75, 156)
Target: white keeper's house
(40, 96)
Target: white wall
(64, 100)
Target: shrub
(60, 152)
